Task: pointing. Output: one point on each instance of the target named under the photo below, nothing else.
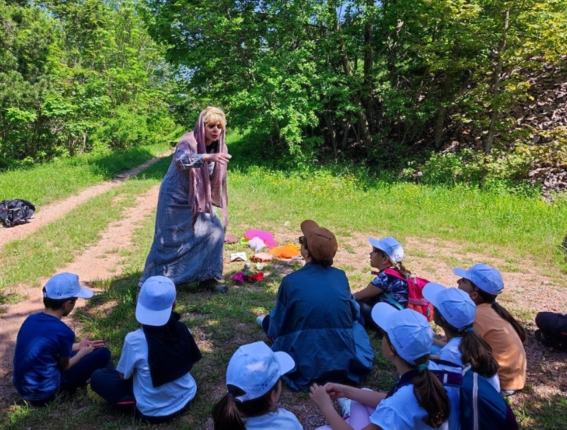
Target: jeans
(119, 393)
(78, 374)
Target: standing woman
(189, 236)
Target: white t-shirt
(152, 402)
(451, 353)
(280, 420)
(402, 412)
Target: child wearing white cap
(454, 312)
(385, 288)
(47, 359)
(253, 384)
(496, 325)
(152, 379)
(417, 401)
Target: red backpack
(416, 301)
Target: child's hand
(335, 391)
(85, 350)
(86, 341)
(320, 396)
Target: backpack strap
(396, 274)
(393, 301)
(446, 363)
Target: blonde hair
(214, 115)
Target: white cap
(65, 286)
(409, 332)
(487, 278)
(155, 301)
(255, 369)
(454, 305)
(390, 246)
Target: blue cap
(64, 286)
(390, 246)
(155, 301)
(409, 332)
(487, 278)
(454, 305)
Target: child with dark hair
(152, 380)
(454, 313)
(386, 253)
(47, 359)
(417, 401)
(254, 386)
(496, 325)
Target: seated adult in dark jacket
(315, 318)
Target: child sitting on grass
(47, 361)
(454, 312)
(417, 401)
(152, 379)
(254, 386)
(496, 325)
(385, 288)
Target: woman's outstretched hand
(221, 158)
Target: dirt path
(101, 261)
(55, 210)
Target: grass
(55, 245)
(44, 183)
(266, 196)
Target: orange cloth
(507, 347)
(288, 251)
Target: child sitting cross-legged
(254, 386)
(47, 361)
(496, 325)
(152, 380)
(386, 253)
(454, 312)
(417, 401)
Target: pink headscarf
(204, 193)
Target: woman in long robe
(189, 236)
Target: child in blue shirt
(47, 360)
(385, 288)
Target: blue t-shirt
(42, 341)
(397, 288)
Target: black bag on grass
(14, 212)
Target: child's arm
(439, 342)
(65, 363)
(370, 291)
(321, 397)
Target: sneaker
(345, 405)
(260, 320)
(213, 285)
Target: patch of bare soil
(55, 210)
(101, 261)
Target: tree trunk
(496, 85)
(332, 133)
(440, 121)
(363, 121)
(368, 57)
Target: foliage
(390, 76)
(78, 75)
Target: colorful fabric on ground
(287, 251)
(266, 236)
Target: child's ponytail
(503, 313)
(478, 353)
(226, 415)
(228, 412)
(431, 395)
(402, 270)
